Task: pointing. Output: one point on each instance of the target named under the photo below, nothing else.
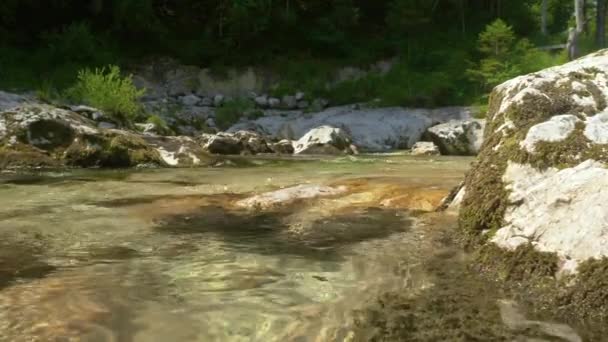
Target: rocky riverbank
(34, 134)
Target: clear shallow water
(164, 255)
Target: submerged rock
(458, 137)
(325, 140)
(424, 148)
(289, 195)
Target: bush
(231, 112)
(107, 90)
(161, 126)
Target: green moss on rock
(587, 295)
(24, 156)
(523, 263)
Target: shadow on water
(272, 233)
(20, 261)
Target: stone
(560, 210)
(222, 144)
(303, 104)
(319, 104)
(457, 137)
(300, 96)
(290, 195)
(283, 147)
(289, 102)
(51, 136)
(189, 100)
(241, 142)
(218, 100)
(252, 142)
(10, 100)
(274, 103)
(261, 101)
(424, 148)
(541, 178)
(180, 151)
(324, 140)
(207, 101)
(371, 129)
(106, 125)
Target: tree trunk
(572, 45)
(579, 13)
(543, 17)
(601, 24)
(574, 33)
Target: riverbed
(173, 255)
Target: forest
(449, 51)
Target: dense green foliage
(44, 43)
(109, 91)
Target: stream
(169, 255)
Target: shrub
(231, 112)
(161, 126)
(107, 90)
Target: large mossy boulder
(540, 181)
(43, 135)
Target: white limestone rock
(289, 195)
(458, 137)
(371, 129)
(557, 128)
(562, 211)
(324, 140)
(425, 148)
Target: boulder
(218, 100)
(324, 140)
(221, 144)
(190, 100)
(252, 142)
(424, 148)
(282, 147)
(261, 101)
(43, 135)
(10, 100)
(371, 129)
(241, 142)
(180, 151)
(289, 102)
(206, 101)
(274, 103)
(541, 180)
(319, 104)
(303, 104)
(300, 96)
(457, 137)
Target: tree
(543, 17)
(574, 33)
(601, 24)
(496, 39)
